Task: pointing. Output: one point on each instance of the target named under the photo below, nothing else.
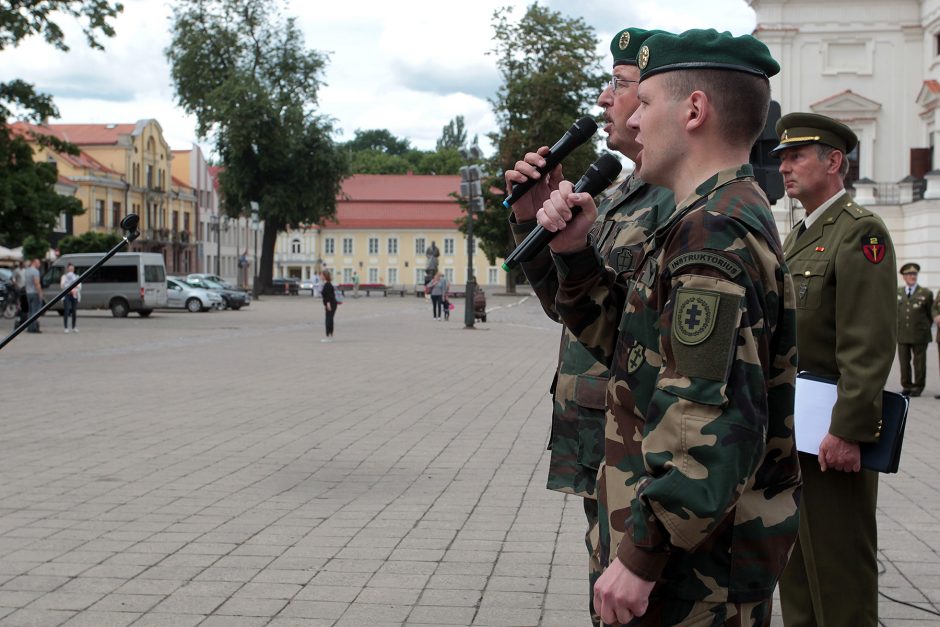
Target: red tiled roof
(393, 201)
(81, 160)
(91, 134)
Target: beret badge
(624, 40)
(643, 58)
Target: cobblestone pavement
(229, 469)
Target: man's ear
(698, 109)
(836, 157)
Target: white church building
(875, 66)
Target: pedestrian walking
(328, 293)
(438, 288)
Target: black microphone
(597, 178)
(580, 132)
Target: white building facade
(873, 65)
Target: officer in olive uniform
(625, 219)
(914, 321)
(842, 260)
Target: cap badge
(624, 40)
(644, 57)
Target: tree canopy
(246, 74)
(29, 204)
(551, 76)
(378, 151)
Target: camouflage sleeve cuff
(580, 265)
(520, 230)
(643, 563)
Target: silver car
(182, 295)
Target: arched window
(295, 246)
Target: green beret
(800, 129)
(910, 267)
(698, 49)
(626, 44)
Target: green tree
(551, 75)
(453, 135)
(35, 247)
(88, 242)
(244, 71)
(29, 204)
(380, 140)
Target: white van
(126, 282)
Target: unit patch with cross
(704, 327)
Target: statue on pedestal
(432, 252)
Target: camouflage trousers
(592, 541)
(680, 613)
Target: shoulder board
(854, 209)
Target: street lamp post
(255, 226)
(215, 222)
(471, 190)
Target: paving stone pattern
(229, 469)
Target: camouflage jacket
(700, 483)
(624, 221)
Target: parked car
(126, 282)
(285, 285)
(182, 295)
(232, 297)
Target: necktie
(910, 291)
(801, 230)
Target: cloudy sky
(408, 66)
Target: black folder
(885, 454)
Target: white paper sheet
(812, 413)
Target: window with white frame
(449, 274)
(393, 246)
(493, 276)
(449, 246)
(347, 275)
(347, 246)
(419, 276)
(373, 275)
(419, 246)
(393, 276)
(99, 213)
(373, 246)
(295, 246)
(329, 246)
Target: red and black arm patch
(874, 248)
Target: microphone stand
(129, 226)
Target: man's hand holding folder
(815, 398)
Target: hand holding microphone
(579, 133)
(558, 213)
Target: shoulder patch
(695, 315)
(873, 247)
(721, 263)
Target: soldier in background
(935, 312)
(625, 219)
(841, 256)
(914, 320)
(700, 473)
(915, 303)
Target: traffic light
(766, 166)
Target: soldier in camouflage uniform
(625, 219)
(700, 482)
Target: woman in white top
(70, 302)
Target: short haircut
(741, 99)
(823, 151)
